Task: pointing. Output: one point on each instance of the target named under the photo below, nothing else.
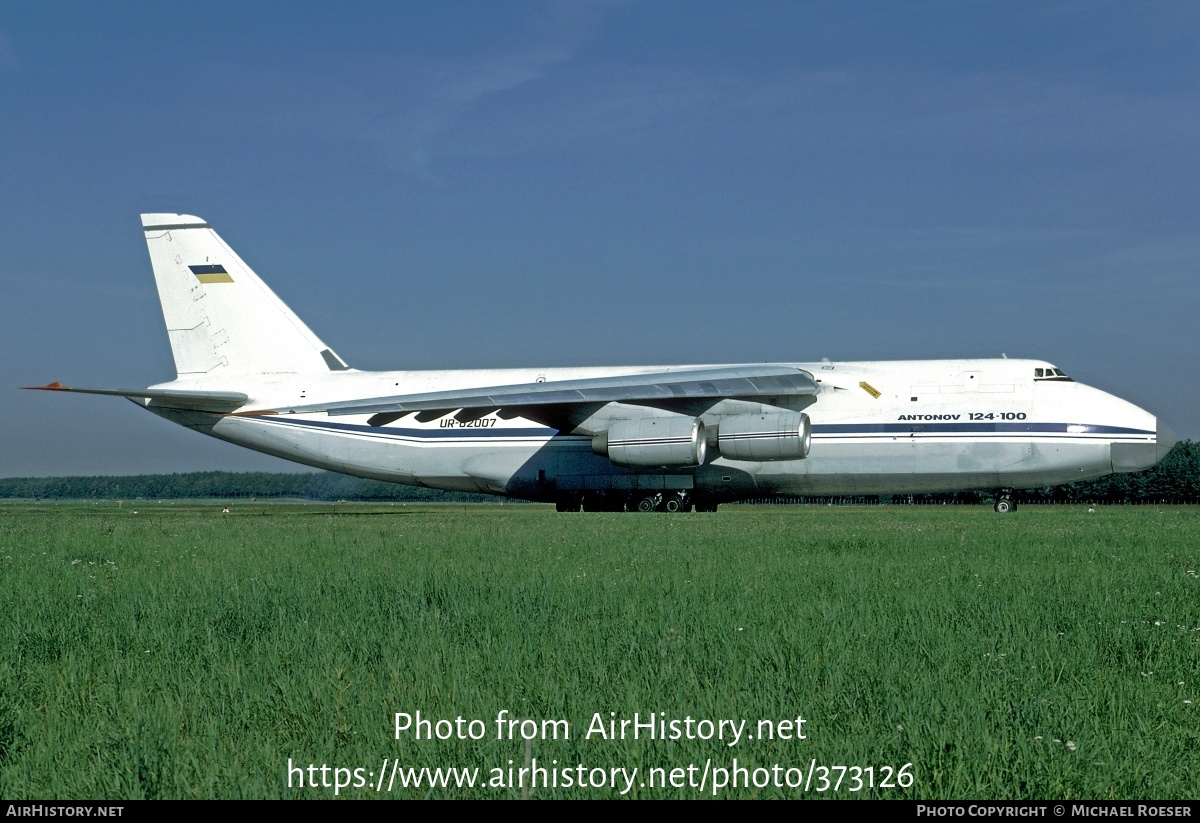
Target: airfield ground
(181, 652)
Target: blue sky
(470, 184)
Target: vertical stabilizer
(223, 320)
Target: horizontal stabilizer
(207, 401)
(685, 384)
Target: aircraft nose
(1166, 441)
(1135, 457)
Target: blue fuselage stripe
(457, 431)
(920, 427)
(823, 431)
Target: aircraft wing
(685, 384)
(208, 401)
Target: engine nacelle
(653, 441)
(762, 437)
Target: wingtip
(55, 386)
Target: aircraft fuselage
(877, 427)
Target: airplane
(648, 438)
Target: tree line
(316, 486)
(1175, 480)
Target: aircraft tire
(647, 503)
(679, 502)
(1004, 505)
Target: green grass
(179, 652)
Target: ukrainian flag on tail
(211, 274)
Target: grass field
(179, 652)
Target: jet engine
(653, 441)
(784, 436)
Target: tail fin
(220, 317)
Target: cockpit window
(1051, 374)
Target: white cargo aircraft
(648, 438)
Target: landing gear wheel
(648, 503)
(678, 502)
(1005, 504)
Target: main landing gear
(645, 501)
(1004, 503)
(670, 502)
